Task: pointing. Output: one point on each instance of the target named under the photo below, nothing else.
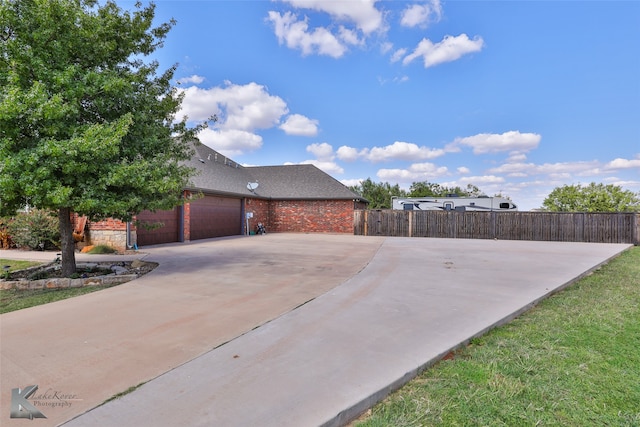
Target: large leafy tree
(86, 120)
(378, 193)
(591, 198)
(430, 189)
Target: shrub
(36, 229)
(102, 249)
(5, 237)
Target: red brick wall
(305, 216)
(311, 216)
(108, 224)
(260, 209)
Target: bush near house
(5, 237)
(36, 229)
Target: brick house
(219, 202)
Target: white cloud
(386, 47)
(242, 107)
(402, 151)
(561, 170)
(449, 49)
(396, 79)
(482, 180)
(195, 79)
(619, 163)
(296, 35)
(242, 110)
(230, 142)
(350, 37)
(415, 172)
(352, 182)
(421, 14)
(463, 170)
(397, 151)
(297, 124)
(398, 55)
(516, 157)
(357, 18)
(362, 13)
(324, 158)
(348, 154)
(493, 143)
(329, 167)
(322, 151)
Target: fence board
(546, 226)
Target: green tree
(378, 194)
(429, 189)
(591, 198)
(86, 121)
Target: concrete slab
(202, 295)
(50, 256)
(331, 358)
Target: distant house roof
(221, 175)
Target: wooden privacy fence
(547, 226)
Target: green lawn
(16, 264)
(574, 360)
(11, 300)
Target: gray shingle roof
(221, 175)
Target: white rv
(451, 203)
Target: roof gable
(219, 174)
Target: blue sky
(516, 97)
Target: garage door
(213, 216)
(167, 233)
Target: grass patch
(102, 249)
(15, 299)
(573, 361)
(123, 393)
(15, 265)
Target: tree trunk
(66, 242)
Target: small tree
(378, 194)
(591, 198)
(430, 189)
(86, 123)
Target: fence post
(410, 223)
(365, 227)
(493, 224)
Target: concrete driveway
(282, 329)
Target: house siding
(278, 216)
(261, 213)
(110, 232)
(311, 216)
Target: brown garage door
(168, 233)
(213, 216)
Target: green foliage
(591, 198)
(378, 194)
(102, 249)
(429, 189)
(36, 229)
(17, 299)
(85, 122)
(15, 265)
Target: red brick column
(186, 215)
